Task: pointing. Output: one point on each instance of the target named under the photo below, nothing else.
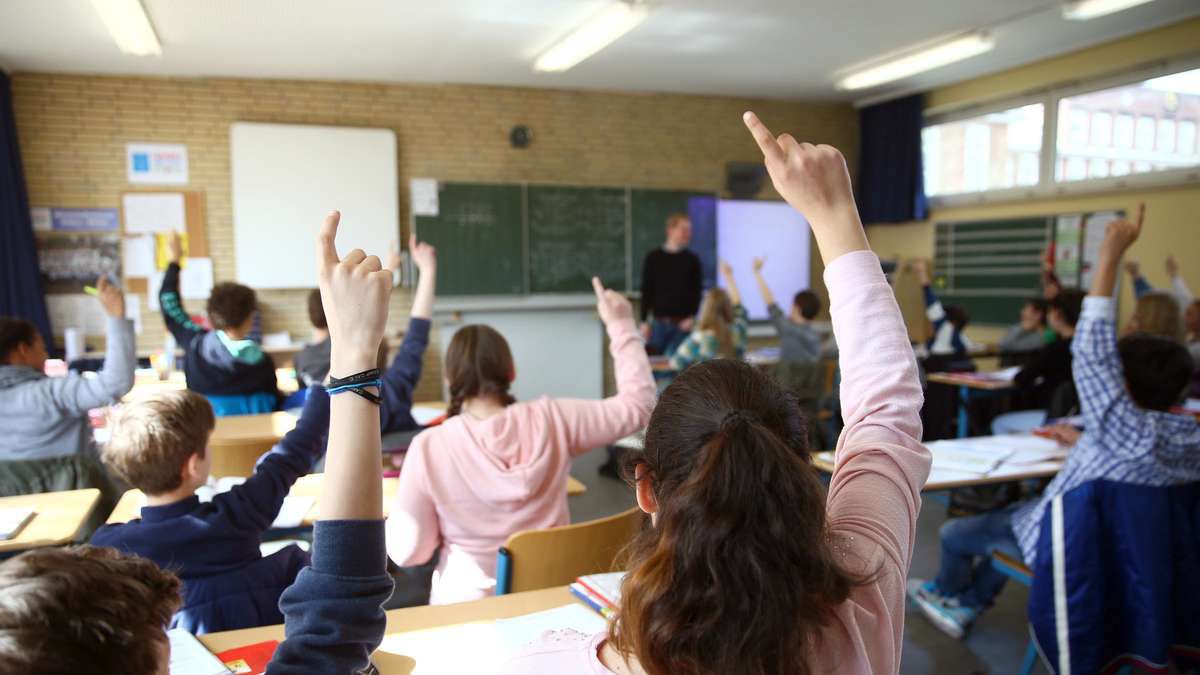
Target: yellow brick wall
(73, 130)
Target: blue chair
(1017, 571)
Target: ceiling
(774, 48)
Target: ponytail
(478, 363)
(737, 576)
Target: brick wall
(73, 130)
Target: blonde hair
(716, 315)
(1158, 314)
(153, 438)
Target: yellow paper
(161, 247)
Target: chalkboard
(991, 267)
(649, 210)
(576, 233)
(479, 233)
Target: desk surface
(970, 380)
(57, 517)
(417, 618)
(268, 427)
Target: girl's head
(479, 364)
(1157, 314)
(716, 315)
(737, 574)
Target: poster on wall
(157, 163)
(69, 263)
(84, 220)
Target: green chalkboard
(576, 233)
(991, 267)
(478, 231)
(649, 210)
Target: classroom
(612, 336)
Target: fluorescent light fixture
(936, 56)
(598, 32)
(129, 26)
(1082, 10)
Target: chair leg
(1030, 660)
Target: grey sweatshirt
(43, 417)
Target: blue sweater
(400, 379)
(333, 614)
(202, 541)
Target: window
(995, 151)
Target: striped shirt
(703, 345)
(1121, 442)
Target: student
(749, 565)
(1031, 332)
(1157, 313)
(721, 330)
(223, 364)
(401, 378)
(496, 466)
(949, 321)
(106, 611)
(45, 435)
(159, 446)
(1179, 288)
(1125, 389)
(1039, 380)
(799, 342)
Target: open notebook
(12, 521)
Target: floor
(996, 644)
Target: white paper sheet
(189, 657)
(424, 194)
(163, 163)
(424, 414)
(133, 311)
(154, 212)
(76, 310)
(137, 255)
(196, 279)
(41, 219)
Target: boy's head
(316, 310)
(957, 316)
(1064, 310)
(84, 609)
(21, 344)
(1033, 314)
(231, 307)
(158, 444)
(1158, 370)
(806, 305)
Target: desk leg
(964, 395)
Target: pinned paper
(133, 311)
(137, 255)
(76, 310)
(162, 250)
(40, 215)
(424, 193)
(154, 212)
(196, 279)
(157, 163)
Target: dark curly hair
(230, 304)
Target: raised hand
(423, 254)
(1121, 234)
(1172, 267)
(110, 297)
(355, 292)
(394, 261)
(1133, 268)
(174, 247)
(611, 305)
(726, 269)
(757, 264)
(814, 180)
(921, 269)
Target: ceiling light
(900, 67)
(129, 26)
(599, 31)
(1082, 10)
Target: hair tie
(736, 418)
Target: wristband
(357, 383)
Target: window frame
(1048, 187)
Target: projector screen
(287, 177)
(772, 230)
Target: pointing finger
(1141, 214)
(598, 288)
(766, 142)
(326, 252)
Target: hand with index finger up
(611, 305)
(354, 292)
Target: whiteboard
(287, 177)
(764, 229)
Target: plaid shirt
(704, 346)
(1120, 442)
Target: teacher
(671, 287)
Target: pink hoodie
(469, 484)
(874, 495)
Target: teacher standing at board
(671, 287)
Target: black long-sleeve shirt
(671, 284)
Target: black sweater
(671, 284)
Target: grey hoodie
(44, 417)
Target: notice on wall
(70, 263)
(154, 212)
(76, 310)
(1093, 235)
(424, 194)
(137, 255)
(1067, 247)
(133, 311)
(157, 163)
(84, 220)
(40, 215)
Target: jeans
(967, 545)
(1019, 422)
(665, 337)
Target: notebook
(249, 660)
(601, 592)
(12, 521)
(189, 657)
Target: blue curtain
(21, 292)
(891, 184)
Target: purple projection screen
(758, 229)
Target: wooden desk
(965, 383)
(130, 504)
(266, 428)
(57, 518)
(413, 619)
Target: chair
(1017, 571)
(557, 556)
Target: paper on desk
(440, 650)
(976, 455)
(423, 414)
(1002, 375)
(293, 511)
(189, 657)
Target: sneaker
(946, 614)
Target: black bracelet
(357, 378)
